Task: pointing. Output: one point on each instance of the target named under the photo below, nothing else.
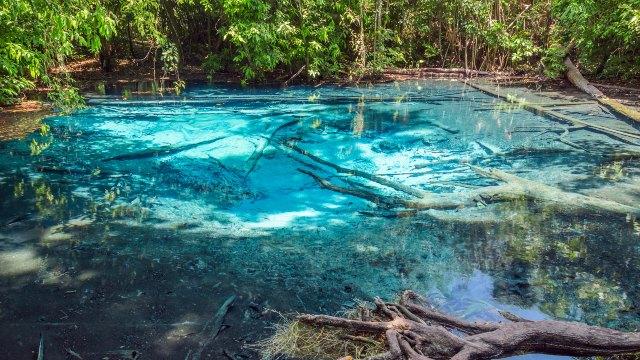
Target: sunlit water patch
(124, 226)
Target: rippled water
(124, 226)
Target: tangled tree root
(412, 329)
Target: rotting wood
(414, 330)
(576, 78)
(556, 116)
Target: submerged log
(623, 136)
(513, 188)
(160, 151)
(576, 78)
(259, 151)
(371, 177)
(414, 330)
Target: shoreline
(88, 78)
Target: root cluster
(412, 329)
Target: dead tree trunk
(414, 330)
(576, 78)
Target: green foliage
(257, 39)
(36, 35)
(65, 98)
(605, 32)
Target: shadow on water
(129, 258)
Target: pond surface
(126, 225)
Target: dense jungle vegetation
(259, 39)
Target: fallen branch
(286, 83)
(556, 116)
(413, 330)
(377, 179)
(452, 71)
(213, 328)
(259, 151)
(576, 78)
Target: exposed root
(419, 332)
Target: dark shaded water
(123, 227)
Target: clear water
(124, 226)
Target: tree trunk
(106, 57)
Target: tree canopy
(258, 39)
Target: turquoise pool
(124, 226)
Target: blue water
(124, 226)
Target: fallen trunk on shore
(576, 78)
(412, 329)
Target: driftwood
(623, 136)
(448, 71)
(576, 78)
(512, 188)
(414, 330)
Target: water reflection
(124, 226)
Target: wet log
(414, 330)
(576, 78)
